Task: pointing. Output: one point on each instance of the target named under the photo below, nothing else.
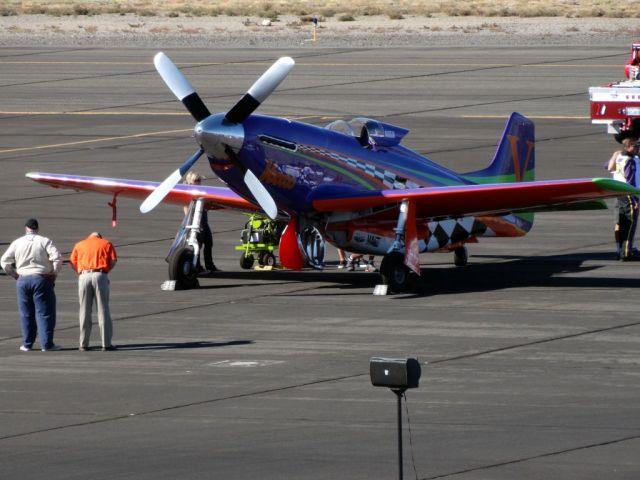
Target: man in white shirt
(34, 261)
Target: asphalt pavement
(530, 363)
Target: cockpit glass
(342, 127)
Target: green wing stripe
(615, 186)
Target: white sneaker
(52, 348)
(24, 349)
(371, 267)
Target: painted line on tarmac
(301, 117)
(94, 140)
(313, 64)
(105, 139)
(112, 113)
(534, 117)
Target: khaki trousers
(94, 286)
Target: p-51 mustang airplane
(351, 183)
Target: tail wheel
(395, 273)
(460, 256)
(181, 269)
(246, 261)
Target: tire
(460, 257)
(246, 261)
(395, 273)
(181, 269)
(269, 259)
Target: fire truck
(617, 105)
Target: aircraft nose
(215, 134)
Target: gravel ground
(228, 32)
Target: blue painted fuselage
(292, 159)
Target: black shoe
(110, 348)
(212, 268)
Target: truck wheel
(269, 259)
(246, 261)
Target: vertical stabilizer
(515, 156)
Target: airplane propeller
(167, 185)
(219, 136)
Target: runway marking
(534, 117)
(95, 113)
(95, 140)
(160, 114)
(301, 117)
(303, 64)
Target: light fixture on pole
(398, 374)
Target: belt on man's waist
(93, 270)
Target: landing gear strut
(393, 270)
(184, 252)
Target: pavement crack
(535, 457)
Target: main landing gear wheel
(395, 273)
(460, 256)
(181, 269)
(246, 261)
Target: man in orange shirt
(93, 258)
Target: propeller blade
(260, 90)
(180, 87)
(260, 193)
(167, 185)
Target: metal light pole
(399, 394)
(398, 374)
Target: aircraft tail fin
(514, 160)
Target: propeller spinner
(219, 135)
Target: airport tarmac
(530, 354)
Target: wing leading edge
(217, 197)
(489, 199)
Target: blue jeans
(37, 307)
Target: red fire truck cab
(617, 104)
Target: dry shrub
(8, 11)
(328, 8)
(91, 29)
(17, 29)
(327, 12)
(191, 30)
(162, 29)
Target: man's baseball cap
(32, 223)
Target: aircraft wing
(217, 197)
(482, 199)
